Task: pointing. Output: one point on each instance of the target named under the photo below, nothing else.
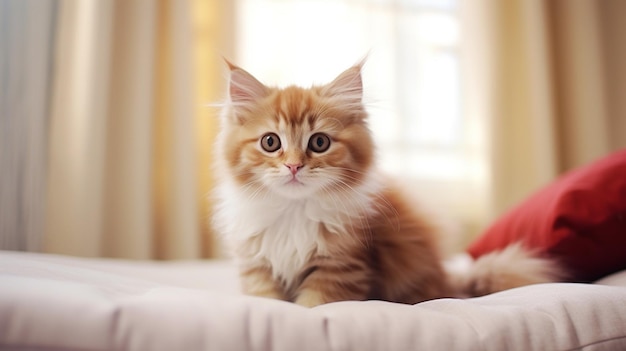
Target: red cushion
(580, 218)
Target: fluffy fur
(310, 219)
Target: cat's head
(296, 142)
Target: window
(412, 78)
(412, 81)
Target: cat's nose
(294, 167)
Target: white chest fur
(289, 241)
(284, 232)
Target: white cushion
(63, 303)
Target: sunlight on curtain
(130, 130)
(413, 83)
(174, 158)
(212, 35)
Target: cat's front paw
(262, 285)
(310, 298)
(268, 294)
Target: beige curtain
(129, 128)
(549, 77)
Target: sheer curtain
(549, 78)
(106, 133)
(130, 129)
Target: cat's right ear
(243, 88)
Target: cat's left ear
(348, 86)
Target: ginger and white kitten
(310, 218)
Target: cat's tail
(509, 268)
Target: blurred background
(106, 124)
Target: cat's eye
(270, 142)
(319, 142)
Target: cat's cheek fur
(359, 145)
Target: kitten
(310, 218)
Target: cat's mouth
(294, 187)
(294, 181)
